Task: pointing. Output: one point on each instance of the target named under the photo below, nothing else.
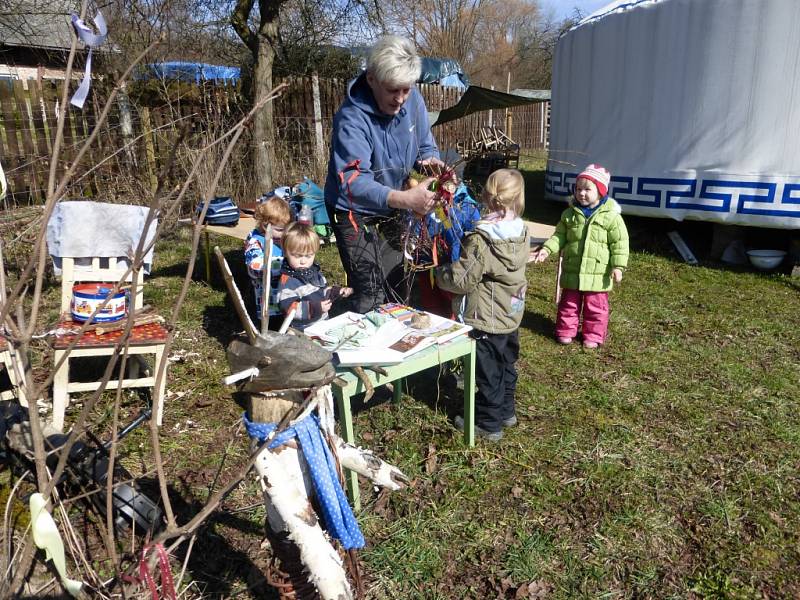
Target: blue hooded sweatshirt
(386, 146)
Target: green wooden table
(462, 346)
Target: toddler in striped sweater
(302, 286)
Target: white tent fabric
(693, 105)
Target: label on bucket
(87, 297)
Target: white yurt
(693, 105)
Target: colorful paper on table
(398, 311)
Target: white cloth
(691, 105)
(3, 185)
(84, 229)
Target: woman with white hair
(380, 133)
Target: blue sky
(564, 8)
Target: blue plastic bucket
(87, 297)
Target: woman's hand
(419, 198)
(325, 305)
(432, 165)
(345, 292)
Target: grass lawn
(664, 465)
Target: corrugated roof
(38, 24)
(533, 94)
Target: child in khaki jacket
(490, 281)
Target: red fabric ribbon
(165, 572)
(351, 166)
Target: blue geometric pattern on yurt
(766, 198)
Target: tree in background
(266, 38)
(490, 38)
(439, 28)
(289, 33)
(260, 35)
(536, 51)
(190, 30)
(500, 31)
(308, 35)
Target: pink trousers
(595, 315)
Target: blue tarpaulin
(191, 72)
(444, 71)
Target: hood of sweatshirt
(385, 148)
(508, 243)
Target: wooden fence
(136, 140)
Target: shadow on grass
(222, 322)
(215, 560)
(539, 323)
(434, 387)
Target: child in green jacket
(489, 278)
(594, 241)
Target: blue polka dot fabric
(337, 516)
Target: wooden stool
(144, 340)
(16, 390)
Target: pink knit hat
(597, 175)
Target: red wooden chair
(145, 340)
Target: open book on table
(439, 328)
(359, 340)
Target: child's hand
(616, 275)
(325, 305)
(345, 292)
(539, 255)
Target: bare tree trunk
(263, 124)
(262, 44)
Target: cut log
(271, 407)
(364, 462)
(289, 510)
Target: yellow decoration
(47, 538)
(442, 216)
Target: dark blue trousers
(496, 376)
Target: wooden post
(318, 120)
(508, 110)
(126, 122)
(541, 124)
(150, 150)
(491, 121)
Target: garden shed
(691, 105)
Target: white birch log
(287, 486)
(365, 463)
(285, 494)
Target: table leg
(207, 256)
(397, 394)
(60, 390)
(346, 424)
(469, 397)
